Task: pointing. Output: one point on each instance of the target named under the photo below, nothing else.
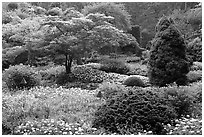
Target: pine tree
(168, 62)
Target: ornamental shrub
(21, 76)
(131, 111)
(114, 65)
(168, 62)
(134, 81)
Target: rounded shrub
(194, 76)
(134, 81)
(21, 76)
(131, 111)
(168, 62)
(114, 65)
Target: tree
(168, 62)
(118, 11)
(80, 34)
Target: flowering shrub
(21, 76)
(52, 127)
(87, 74)
(70, 105)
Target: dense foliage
(20, 76)
(168, 62)
(130, 111)
(55, 92)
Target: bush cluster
(114, 65)
(168, 62)
(21, 76)
(87, 74)
(130, 111)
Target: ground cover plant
(79, 69)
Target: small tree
(78, 35)
(168, 62)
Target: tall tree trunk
(68, 63)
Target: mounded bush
(114, 65)
(168, 62)
(131, 111)
(87, 74)
(21, 76)
(134, 81)
(194, 76)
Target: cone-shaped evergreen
(168, 62)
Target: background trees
(76, 36)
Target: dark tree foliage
(135, 31)
(168, 62)
(146, 37)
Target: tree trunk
(68, 63)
